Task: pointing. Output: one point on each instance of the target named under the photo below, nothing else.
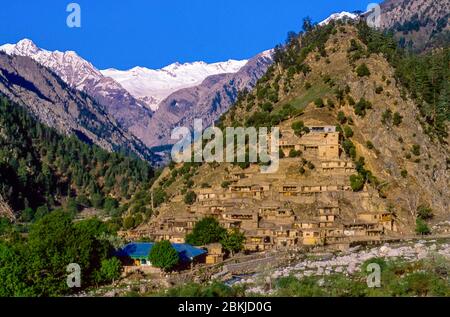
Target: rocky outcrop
(419, 24)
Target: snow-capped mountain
(127, 96)
(72, 69)
(207, 101)
(153, 86)
(339, 16)
(44, 94)
(130, 113)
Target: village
(283, 210)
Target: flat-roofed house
(257, 242)
(311, 237)
(322, 142)
(384, 218)
(248, 219)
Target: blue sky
(155, 33)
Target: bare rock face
(420, 24)
(68, 110)
(206, 101)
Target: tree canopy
(163, 255)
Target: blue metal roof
(139, 250)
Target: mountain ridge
(154, 85)
(56, 104)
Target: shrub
(190, 198)
(97, 200)
(110, 269)
(349, 148)
(386, 117)
(83, 201)
(307, 85)
(397, 120)
(404, 173)
(362, 70)
(357, 182)
(424, 212)
(293, 153)
(319, 103)
(415, 149)
(41, 212)
(225, 184)
(351, 101)
(361, 106)
(347, 89)
(348, 132)
(379, 90)
(422, 227)
(299, 128)
(341, 117)
(302, 170)
(128, 222)
(369, 145)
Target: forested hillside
(390, 106)
(41, 170)
(424, 77)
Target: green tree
(422, 227)
(233, 242)
(357, 182)
(164, 256)
(206, 231)
(110, 269)
(348, 132)
(54, 242)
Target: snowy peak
(154, 85)
(27, 46)
(339, 16)
(73, 69)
